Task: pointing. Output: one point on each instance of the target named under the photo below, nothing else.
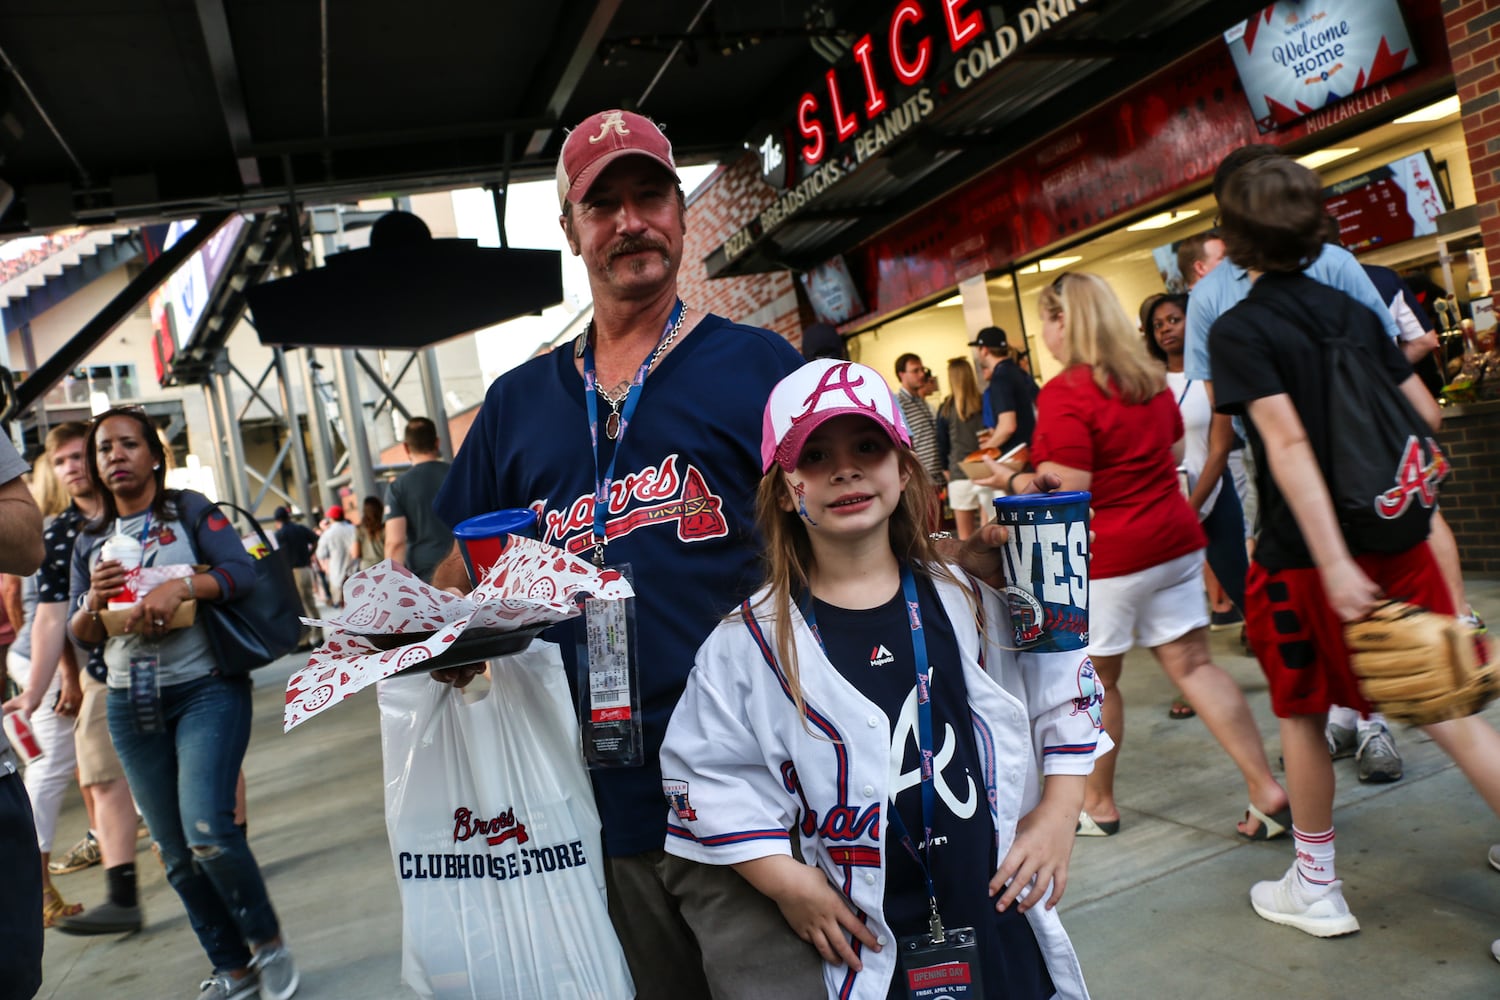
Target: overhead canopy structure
(127, 112)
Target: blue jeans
(183, 779)
(1225, 528)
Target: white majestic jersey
(742, 770)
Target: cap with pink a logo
(818, 392)
(601, 139)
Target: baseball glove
(1420, 667)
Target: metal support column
(357, 443)
(317, 429)
(216, 431)
(293, 430)
(432, 399)
(234, 446)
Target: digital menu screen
(1389, 204)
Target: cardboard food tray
(114, 621)
(474, 646)
(975, 468)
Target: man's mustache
(637, 245)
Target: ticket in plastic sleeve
(532, 584)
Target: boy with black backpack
(1344, 437)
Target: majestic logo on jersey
(654, 495)
(835, 379)
(880, 656)
(1090, 700)
(495, 831)
(677, 797)
(614, 121)
(1414, 480)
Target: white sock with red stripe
(1314, 858)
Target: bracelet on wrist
(1010, 484)
(192, 593)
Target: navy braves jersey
(873, 651)
(681, 511)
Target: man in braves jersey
(657, 409)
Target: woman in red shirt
(1107, 424)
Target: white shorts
(963, 494)
(1150, 608)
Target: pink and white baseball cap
(819, 391)
(599, 140)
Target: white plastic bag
(495, 837)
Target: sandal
(1090, 827)
(54, 907)
(1180, 709)
(1271, 827)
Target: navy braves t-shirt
(681, 512)
(872, 649)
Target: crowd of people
(845, 763)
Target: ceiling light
(1433, 112)
(1163, 220)
(1323, 157)
(952, 300)
(1049, 264)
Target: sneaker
(1474, 622)
(1218, 621)
(223, 986)
(106, 918)
(1379, 762)
(1495, 857)
(1287, 901)
(1341, 742)
(84, 854)
(1495, 950)
(278, 973)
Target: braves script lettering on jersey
(745, 768)
(681, 511)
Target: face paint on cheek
(801, 492)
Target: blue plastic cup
(1047, 569)
(483, 538)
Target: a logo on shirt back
(880, 656)
(1416, 480)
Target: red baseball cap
(598, 141)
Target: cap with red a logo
(601, 139)
(818, 392)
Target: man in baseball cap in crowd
(663, 402)
(1010, 397)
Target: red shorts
(1300, 641)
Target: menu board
(1389, 204)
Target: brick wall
(1474, 42)
(1471, 495)
(725, 202)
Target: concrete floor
(1160, 910)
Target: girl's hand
(1350, 593)
(1039, 855)
(812, 907)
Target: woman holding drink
(1108, 424)
(180, 720)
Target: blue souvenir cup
(1047, 569)
(482, 538)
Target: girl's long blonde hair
(1097, 332)
(965, 401)
(789, 556)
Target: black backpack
(1381, 460)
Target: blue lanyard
(144, 536)
(591, 399)
(1184, 393)
(924, 727)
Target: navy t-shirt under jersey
(873, 651)
(682, 512)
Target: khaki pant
(304, 578)
(97, 761)
(693, 930)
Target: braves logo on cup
(1046, 569)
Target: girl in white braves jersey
(852, 702)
